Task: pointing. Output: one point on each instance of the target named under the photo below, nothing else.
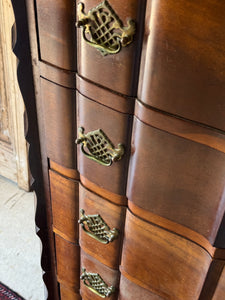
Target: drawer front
(102, 212)
(108, 275)
(68, 294)
(220, 289)
(182, 66)
(162, 262)
(68, 263)
(59, 117)
(131, 291)
(65, 202)
(117, 127)
(56, 29)
(177, 179)
(118, 71)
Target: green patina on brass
(103, 29)
(99, 147)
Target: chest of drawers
(131, 120)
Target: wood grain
(182, 70)
(105, 96)
(13, 146)
(68, 294)
(68, 263)
(131, 291)
(65, 203)
(59, 118)
(162, 262)
(117, 72)
(56, 31)
(177, 179)
(114, 216)
(117, 126)
(110, 276)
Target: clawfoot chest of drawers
(131, 117)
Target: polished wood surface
(163, 262)
(59, 118)
(105, 96)
(56, 31)
(67, 258)
(174, 215)
(67, 294)
(220, 290)
(113, 216)
(177, 179)
(117, 126)
(110, 277)
(65, 202)
(182, 69)
(117, 72)
(131, 291)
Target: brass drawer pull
(103, 29)
(100, 148)
(97, 228)
(96, 284)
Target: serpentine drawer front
(131, 118)
(114, 216)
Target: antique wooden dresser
(130, 99)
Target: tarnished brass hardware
(97, 228)
(103, 29)
(100, 148)
(96, 284)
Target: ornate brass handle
(96, 284)
(97, 228)
(103, 29)
(99, 147)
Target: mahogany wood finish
(182, 61)
(114, 217)
(117, 72)
(67, 256)
(131, 291)
(110, 277)
(65, 210)
(172, 200)
(67, 294)
(56, 32)
(59, 117)
(162, 261)
(220, 290)
(180, 180)
(117, 126)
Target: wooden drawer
(117, 126)
(68, 263)
(119, 71)
(113, 216)
(65, 202)
(162, 262)
(220, 289)
(182, 66)
(110, 277)
(56, 29)
(59, 117)
(68, 294)
(176, 178)
(131, 291)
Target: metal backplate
(96, 284)
(103, 29)
(98, 147)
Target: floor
(20, 248)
